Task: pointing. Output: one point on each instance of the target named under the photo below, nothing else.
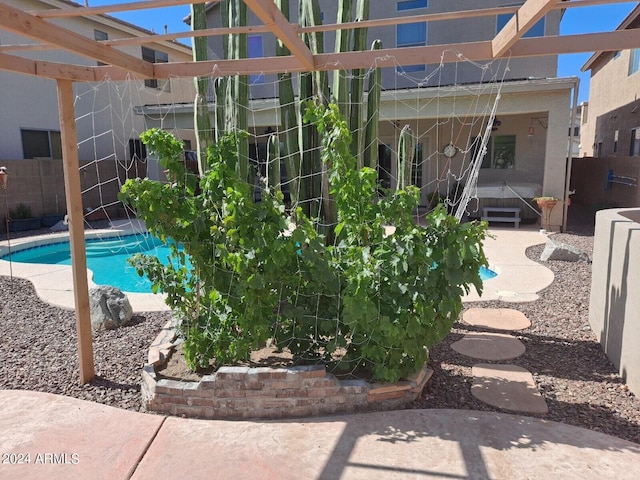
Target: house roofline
(106, 19)
(530, 85)
(633, 15)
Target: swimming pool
(107, 259)
(487, 274)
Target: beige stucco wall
(614, 302)
(614, 104)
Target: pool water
(487, 274)
(107, 259)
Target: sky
(577, 20)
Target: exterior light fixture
(4, 176)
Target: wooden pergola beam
(391, 57)
(526, 16)
(273, 19)
(249, 29)
(12, 63)
(118, 7)
(69, 136)
(17, 21)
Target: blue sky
(601, 18)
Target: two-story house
(107, 130)
(527, 152)
(612, 127)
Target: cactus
(201, 118)
(220, 87)
(232, 94)
(370, 154)
(308, 182)
(357, 85)
(406, 154)
(239, 94)
(313, 85)
(289, 122)
(343, 39)
(273, 162)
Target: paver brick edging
(265, 392)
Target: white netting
(442, 114)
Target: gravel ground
(579, 384)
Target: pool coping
(505, 248)
(54, 283)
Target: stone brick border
(265, 392)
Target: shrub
(21, 211)
(247, 272)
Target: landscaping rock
(561, 251)
(110, 308)
(61, 226)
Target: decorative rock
(507, 386)
(489, 346)
(110, 308)
(496, 318)
(61, 226)
(560, 251)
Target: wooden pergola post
(73, 194)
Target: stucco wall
(40, 184)
(615, 283)
(589, 180)
(29, 102)
(613, 105)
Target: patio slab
(508, 387)
(69, 438)
(505, 249)
(496, 318)
(453, 444)
(489, 346)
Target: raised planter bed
(266, 392)
(24, 224)
(51, 220)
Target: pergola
(119, 65)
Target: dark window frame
(156, 56)
(52, 149)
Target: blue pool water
(107, 259)
(487, 274)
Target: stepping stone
(489, 346)
(508, 387)
(496, 318)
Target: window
(416, 168)
(412, 35)
(255, 50)
(634, 61)
(615, 141)
(41, 143)
(384, 166)
(536, 30)
(412, 4)
(501, 152)
(99, 36)
(634, 151)
(137, 149)
(155, 56)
